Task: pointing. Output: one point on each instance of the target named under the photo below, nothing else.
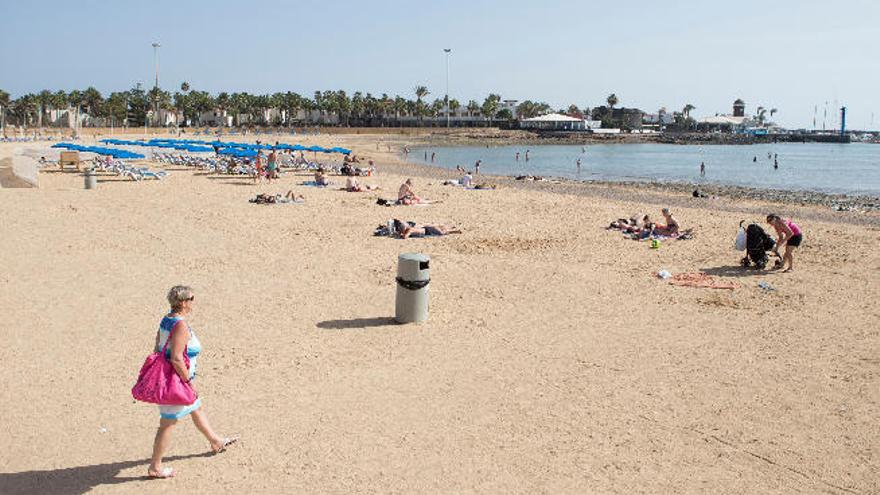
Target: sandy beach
(554, 360)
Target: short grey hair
(178, 294)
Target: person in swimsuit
(671, 226)
(406, 195)
(789, 234)
(258, 167)
(428, 229)
(272, 166)
(175, 329)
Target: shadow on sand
(380, 321)
(736, 271)
(77, 480)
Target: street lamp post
(447, 51)
(156, 47)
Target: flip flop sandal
(164, 473)
(226, 443)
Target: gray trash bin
(413, 277)
(90, 178)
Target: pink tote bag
(159, 383)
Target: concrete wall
(18, 171)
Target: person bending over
(789, 234)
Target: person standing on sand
(272, 166)
(789, 234)
(258, 167)
(174, 327)
(702, 169)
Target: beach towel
(701, 280)
(311, 183)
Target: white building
(558, 122)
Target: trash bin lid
(410, 257)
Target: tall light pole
(156, 47)
(447, 51)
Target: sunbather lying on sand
(643, 229)
(269, 199)
(420, 230)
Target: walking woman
(789, 234)
(183, 339)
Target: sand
(554, 361)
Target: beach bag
(740, 243)
(158, 382)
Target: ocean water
(831, 168)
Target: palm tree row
(137, 107)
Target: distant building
(656, 119)
(554, 122)
(738, 122)
(509, 105)
(630, 118)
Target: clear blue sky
(788, 54)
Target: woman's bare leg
(160, 445)
(787, 257)
(200, 419)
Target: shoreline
(857, 210)
(840, 202)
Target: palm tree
(761, 115)
(116, 107)
(454, 105)
(184, 86)
(24, 108)
(612, 102)
(421, 92)
(490, 107)
(358, 105)
(472, 108)
(385, 106)
(75, 100)
(686, 111)
(59, 100)
(4, 104)
(773, 111)
(92, 100)
(44, 100)
(201, 102)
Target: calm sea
(831, 168)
